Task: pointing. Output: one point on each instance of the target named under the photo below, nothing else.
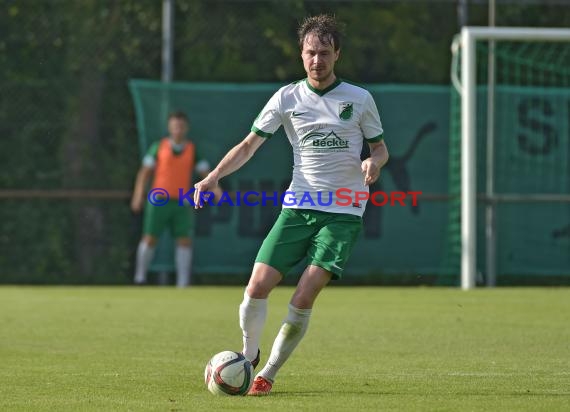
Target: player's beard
(321, 75)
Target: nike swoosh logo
(295, 114)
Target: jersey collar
(177, 147)
(324, 91)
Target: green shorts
(178, 219)
(325, 239)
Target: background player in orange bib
(172, 160)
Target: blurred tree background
(67, 119)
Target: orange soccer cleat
(260, 387)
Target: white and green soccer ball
(228, 373)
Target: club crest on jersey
(345, 110)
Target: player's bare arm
(232, 161)
(378, 158)
(143, 177)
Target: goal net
(509, 180)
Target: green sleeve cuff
(261, 132)
(376, 139)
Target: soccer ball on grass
(228, 373)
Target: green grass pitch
(393, 349)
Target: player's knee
(184, 241)
(149, 240)
(263, 279)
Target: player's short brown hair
(324, 26)
(180, 115)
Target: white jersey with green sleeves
(327, 129)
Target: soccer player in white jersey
(327, 122)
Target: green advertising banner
(532, 157)
(403, 240)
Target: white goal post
(467, 83)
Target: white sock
(252, 314)
(183, 265)
(290, 334)
(145, 253)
